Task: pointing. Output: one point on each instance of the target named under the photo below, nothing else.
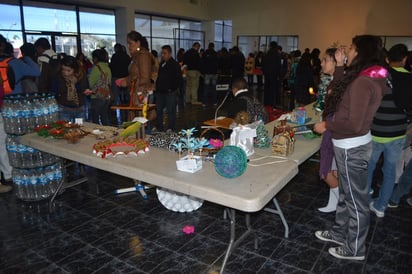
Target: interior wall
(318, 23)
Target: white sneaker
(409, 201)
(379, 214)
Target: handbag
(102, 88)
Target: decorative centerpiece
(262, 139)
(230, 162)
(283, 141)
(62, 130)
(121, 147)
(191, 162)
(216, 139)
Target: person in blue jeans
(403, 187)
(209, 67)
(388, 132)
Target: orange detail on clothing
(4, 65)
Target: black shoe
(392, 204)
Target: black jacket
(119, 65)
(402, 88)
(192, 59)
(238, 104)
(272, 64)
(210, 62)
(169, 77)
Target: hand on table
(319, 127)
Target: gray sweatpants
(352, 213)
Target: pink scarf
(375, 72)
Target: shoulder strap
(104, 75)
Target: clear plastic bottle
(7, 115)
(11, 150)
(34, 186)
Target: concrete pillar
(124, 23)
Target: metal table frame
(233, 242)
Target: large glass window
(177, 33)
(59, 24)
(223, 34)
(142, 24)
(97, 29)
(252, 43)
(10, 24)
(61, 19)
(163, 27)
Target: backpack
(8, 79)
(102, 87)
(255, 109)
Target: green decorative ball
(230, 162)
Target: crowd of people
(363, 92)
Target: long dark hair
(136, 36)
(370, 53)
(72, 62)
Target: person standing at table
(169, 80)
(139, 79)
(354, 102)
(210, 65)
(119, 66)
(327, 168)
(71, 88)
(100, 77)
(191, 59)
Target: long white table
(248, 193)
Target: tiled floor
(104, 233)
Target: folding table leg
(231, 213)
(279, 212)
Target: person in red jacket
(354, 101)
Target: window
(10, 25)
(55, 18)
(252, 43)
(223, 34)
(177, 33)
(389, 41)
(59, 24)
(97, 29)
(142, 24)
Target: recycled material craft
(230, 162)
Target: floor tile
(145, 255)
(203, 249)
(296, 254)
(180, 264)
(329, 264)
(276, 267)
(117, 266)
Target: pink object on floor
(189, 229)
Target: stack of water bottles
(22, 113)
(36, 174)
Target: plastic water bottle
(34, 186)
(6, 112)
(11, 147)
